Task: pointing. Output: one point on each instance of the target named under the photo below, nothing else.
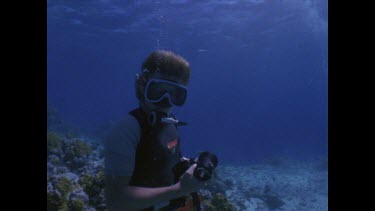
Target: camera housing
(206, 163)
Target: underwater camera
(206, 163)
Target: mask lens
(178, 96)
(156, 89)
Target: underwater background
(257, 97)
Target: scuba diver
(142, 152)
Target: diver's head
(161, 83)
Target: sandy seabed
(277, 185)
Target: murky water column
(160, 19)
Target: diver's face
(154, 106)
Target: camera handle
(196, 201)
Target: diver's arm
(124, 197)
(121, 197)
(137, 198)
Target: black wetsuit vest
(157, 152)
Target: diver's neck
(148, 109)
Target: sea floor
(276, 185)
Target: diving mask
(164, 92)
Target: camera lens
(207, 162)
(202, 174)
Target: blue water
(259, 70)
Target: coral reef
(77, 149)
(57, 196)
(93, 185)
(75, 178)
(77, 205)
(218, 202)
(54, 143)
(71, 134)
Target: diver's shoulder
(127, 126)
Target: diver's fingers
(191, 169)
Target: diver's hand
(188, 183)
